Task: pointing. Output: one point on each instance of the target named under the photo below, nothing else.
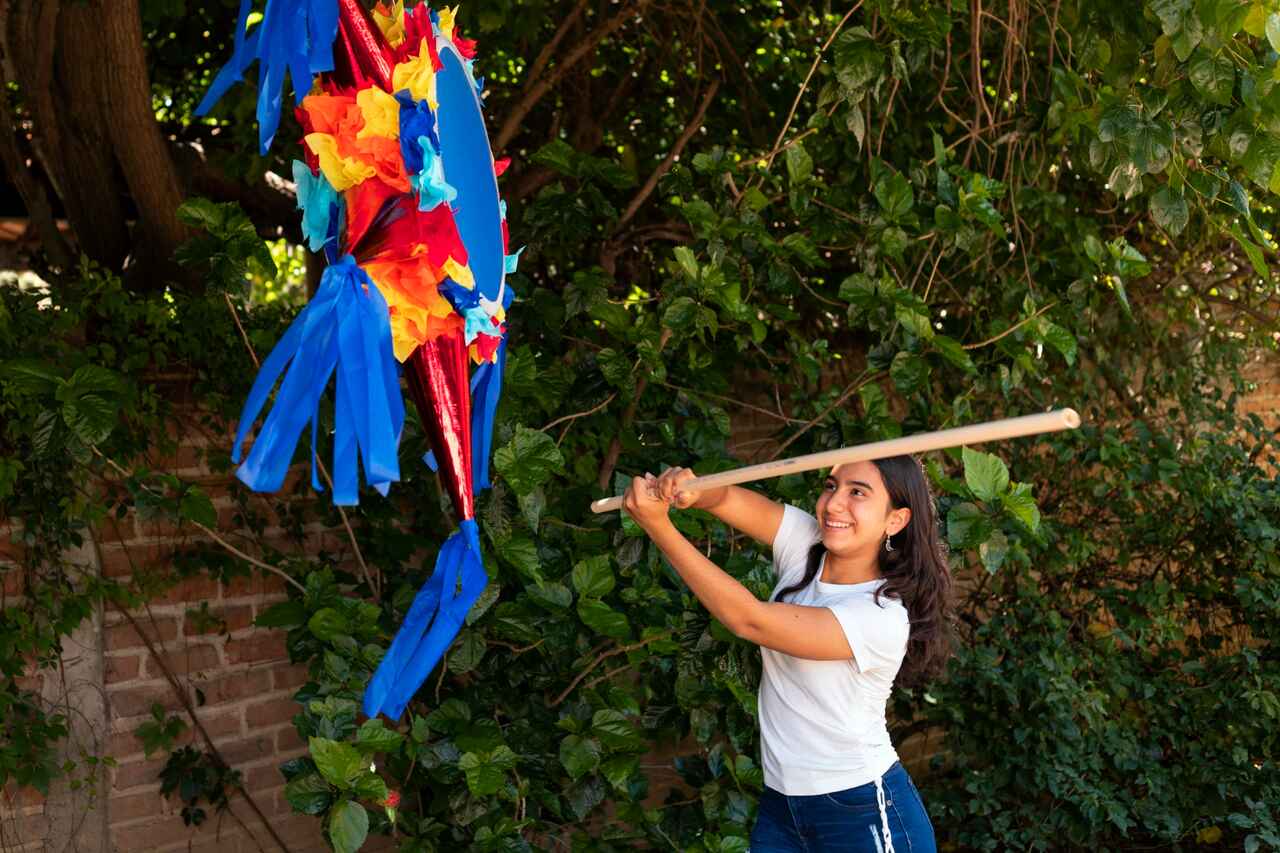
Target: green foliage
(1092, 227)
(194, 776)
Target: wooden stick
(1000, 430)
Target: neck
(850, 568)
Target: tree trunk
(139, 147)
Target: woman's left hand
(644, 503)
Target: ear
(898, 521)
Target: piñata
(398, 187)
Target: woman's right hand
(669, 490)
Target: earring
(888, 542)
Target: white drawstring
(884, 817)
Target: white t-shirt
(822, 722)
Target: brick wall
(242, 675)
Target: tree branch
(511, 126)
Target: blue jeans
(846, 821)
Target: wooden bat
(1000, 430)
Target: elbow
(747, 625)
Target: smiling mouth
(837, 525)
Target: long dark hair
(915, 571)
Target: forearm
(729, 601)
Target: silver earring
(888, 542)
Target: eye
(829, 486)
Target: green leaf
(985, 474)
(557, 155)
(680, 314)
(910, 372)
(799, 163)
(619, 769)
(1273, 30)
(1061, 340)
(1169, 210)
(370, 786)
(451, 717)
(309, 794)
(532, 506)
(374, 736)
(895, 195)
(348, 826)
(552, 596)
(1022, 506)
(858, 60)
(30, 376)
(954, 353)
(688, 263)
(602, 618)
(90, 417)
(1252, 251)
(579, 755)
(467, 652)
(593, 576)
(285, 614)
(967, 526)
(328, 624)
(915, 322)
(196, 506)
(1214, 77)
(993, 551)
(340, 763)
(615, 731)
(528, 460)
(486, 772)
(487, 598)
(522, 552)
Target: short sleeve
(877, 633)
(796, 535)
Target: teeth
(838, 525)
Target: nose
(838, 502)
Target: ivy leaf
(90, 417)
(340, 763)
(196, 506)
(285, 614)
(374, 736)
(528, 460)
(348, 826)
(309, 794)
(579, 755)
(602, 618)
(593, 577)
(985, 474)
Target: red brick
(257, 647)
(137, 701)
(229, 688)
(233, 618)
(184, 660)
(288, 740)
(129, 807)
(253, 748)
(264, 777)
(122, 668)
(289, 677)
(193, 590)
(135, 773)
(122, 636)
(270, 712)
(123, 745)
(114, 529)
(14, 580)
(151, 834)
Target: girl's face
(854, 513)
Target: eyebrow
(861, 483)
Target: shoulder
(798, 528)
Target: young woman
(862, 597)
